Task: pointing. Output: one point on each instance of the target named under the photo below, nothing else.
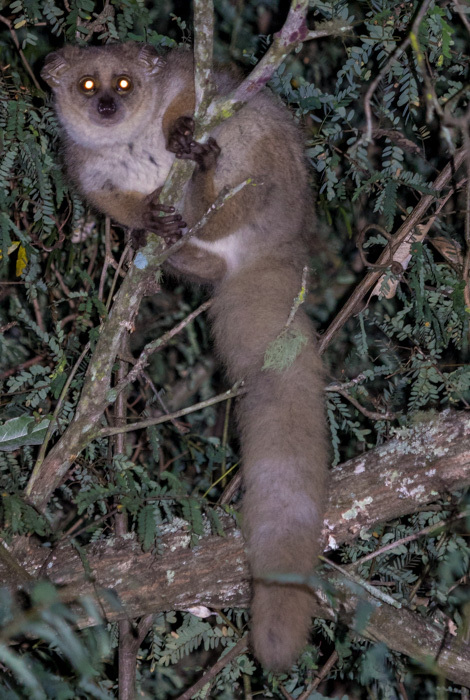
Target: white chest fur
(141, 165)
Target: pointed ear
(55, 65)
(150, 60)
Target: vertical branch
(466, 266)
(127, 659)
(203, 48)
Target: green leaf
(147, 526)
(282, 352)
(22, 431)
(19, 667)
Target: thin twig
(409, 538)
(53, 421)
(320, 676)
(38, 315)
(466, 265)
(292, 33)
(233, 486)
(462, 14)
(365, 584)
(106, 432)
(287, 695)
(429, 92)
(158, 344)
(405, 229)
(223, 466)
(177, 424)
(20, 51)
(230, 656)
(300, 298)
(224, 195)
(118, 272)
(373, 415)
(23, 365)
(126, 648)
(329, 29)
(108, 256)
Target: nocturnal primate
(126, 113)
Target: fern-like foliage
(401, 351)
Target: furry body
(252, 252)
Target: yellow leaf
(21, 261)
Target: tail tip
(281, 624)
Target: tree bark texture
(395, 479)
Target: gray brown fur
(252, 252)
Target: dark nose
(106, 106)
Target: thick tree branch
(390, 481)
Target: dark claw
(182, 144)
(181, 135)
(169, 225)
(172, 239)
(166, 219)
(185, 155)
(169, 228)
(181, 141)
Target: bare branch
(227, 658)
(237, 390)
(158, 344)
(393, 480)
(203, 43)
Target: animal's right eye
(87, 85)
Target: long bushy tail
(282, 425)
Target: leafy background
(406, 353)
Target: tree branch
(393, 480)
(405, 230)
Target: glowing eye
(123, 84)
(88, 85)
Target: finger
(168, 219)
(187, 122)
(198, 148)
(169, 225)
(213, 145)
(182, 140)
(155, 206)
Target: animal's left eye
(123, 84)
